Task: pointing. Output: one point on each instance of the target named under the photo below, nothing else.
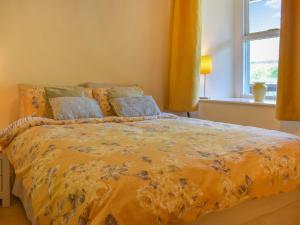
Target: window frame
(247, 37)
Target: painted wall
(218, 40)
(246, 114)
(67, 42)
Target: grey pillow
(69, 108)
(135, 106)
(60, 91)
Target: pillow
(69, 108)
(55, 92)
(135, 106)
(102, 95)
(97, 85)
(88, 92)
(132, 91)
(33, 100)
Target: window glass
(263, 66)
(264, 15)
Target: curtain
(185, 55)
(288, 97)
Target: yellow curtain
(185, 55)
(288, 97)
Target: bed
(153, 170)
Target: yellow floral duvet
(152, 170)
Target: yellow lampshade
(206, 65)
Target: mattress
(146, 170)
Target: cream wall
(71, 41)
(218, 40)
(262, 116)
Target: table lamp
(205, 69)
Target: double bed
(153, 170)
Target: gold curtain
(288, 97)
(185, 55)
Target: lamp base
(204, 98)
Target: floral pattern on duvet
(152, 170)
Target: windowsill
(241, 101)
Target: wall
(72, 41)
(218, 39)
(246, 114)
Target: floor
(15, 215)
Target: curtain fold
(288, 97)
(184, 80)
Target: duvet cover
(145, 170)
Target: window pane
(264, 56)
(264, 15)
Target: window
(261, 44)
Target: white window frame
(247, 37)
